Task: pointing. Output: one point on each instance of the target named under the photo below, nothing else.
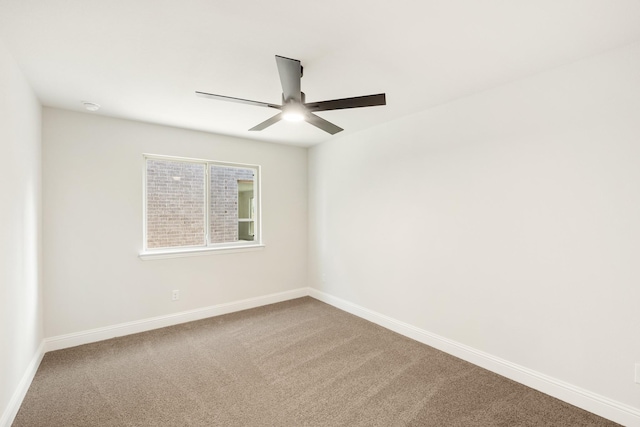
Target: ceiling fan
(294, 107)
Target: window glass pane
(230, 191)
(175, 204)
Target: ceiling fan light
(293, 112)
(293, 116)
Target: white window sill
(179, 253)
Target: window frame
(208, 247)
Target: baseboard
(587, 400)
(12, 408)
(100, 334)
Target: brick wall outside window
(175, 207)
(224, 201)
(176, 203)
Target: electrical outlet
(638, 373)
(175, 295)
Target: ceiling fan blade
(290, 72)
(355, 102)
(240, 100)
(268, 122)
(321, 123)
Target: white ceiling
(144, 59)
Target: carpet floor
(296, 363)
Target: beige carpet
(297, 363)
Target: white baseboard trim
(99, 334)
(585, 399)
(12, 408)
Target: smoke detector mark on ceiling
(90, 106)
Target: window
(194, 205)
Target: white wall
(20, 219)
(508, 221)
(92, 189)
